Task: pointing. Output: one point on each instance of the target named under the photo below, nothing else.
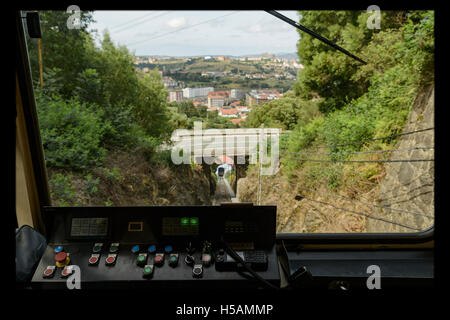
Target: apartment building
(175, 96)
(197, 92)
(218, 99)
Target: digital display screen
(135, 226)
(89, 227)
(180, 226)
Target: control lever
(301, 277)
(190, 249)
(189, 260)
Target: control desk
(148, 247)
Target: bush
(112, 175)
(91, 184)
(71, 133)
(61, 188)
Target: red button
(110, 259)
(93, 260)
(48, 272)
(66, 271)
(61, 257)
(158, 258)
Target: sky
(198, 33)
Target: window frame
(38, 163)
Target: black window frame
(23, 71)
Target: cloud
(176, 22)
(255, 28)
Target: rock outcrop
(408, 187)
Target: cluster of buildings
(254, 97)
(227, 103)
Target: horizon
(224, 55)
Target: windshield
(162, 108)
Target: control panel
(132, 247)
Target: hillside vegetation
(101, 123)
(337, 104)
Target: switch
(141, 259)
(114, 247)
(135, 249)
(67, 271)
(197, 271)
(173, 260)
(97, 247)
(189, 260)
(49, 272)
(206, 259)
(94, 259)
(62, 259)
(190, 249)
(159, 259)
(148, 271)
(111, 259)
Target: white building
(196, 92)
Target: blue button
(59, 249)
(168, 249)
(135, 249)
(152, 248)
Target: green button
(97, 248)
(148, 270)
(184, 221)
(194, 221)
(141, 258)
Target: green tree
(327, 71)
(151, 106)
(62, 48)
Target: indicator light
(194, 221)
(184, 221)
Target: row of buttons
(50, 271)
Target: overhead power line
(141, 22)
(369, 161)
(375, 139)
(180, 29)
(361, 214)
(315, 35)
(363, 202)
(132, 20)
(360, 152)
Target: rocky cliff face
(408, 187)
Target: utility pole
(261, 137)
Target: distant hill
(286, 55)
(278, 55)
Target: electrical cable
(359, 152)
(315, 35)
(359, 213)
(180, 29)
(363, 202)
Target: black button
(197, 271)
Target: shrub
(71, 133)
(61, 188)
(91, 184)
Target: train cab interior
(230, 246)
